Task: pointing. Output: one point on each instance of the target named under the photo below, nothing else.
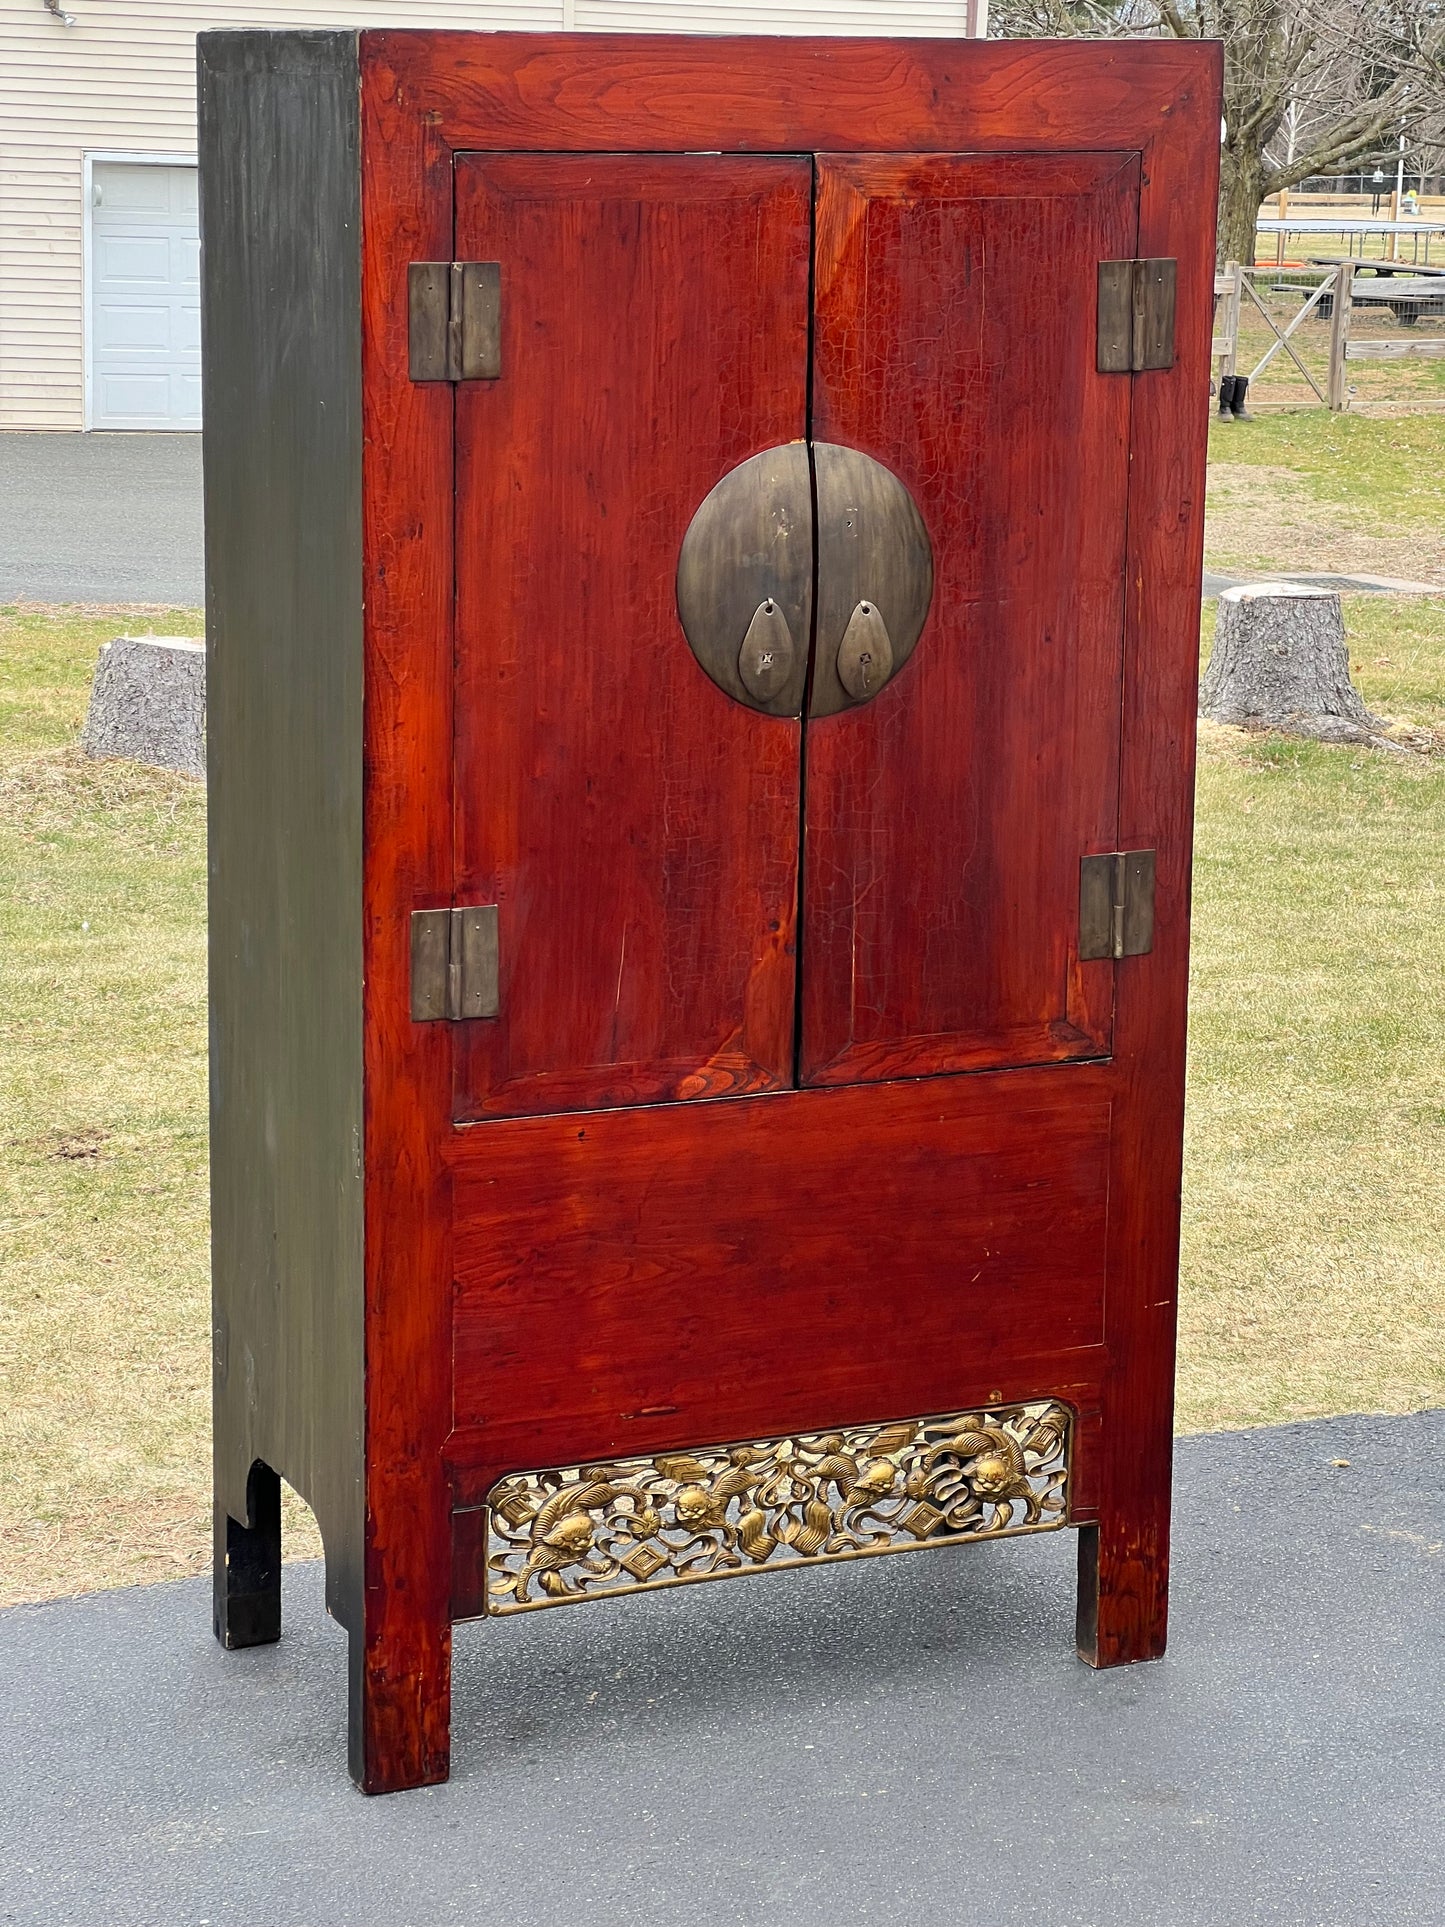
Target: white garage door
(145, 297)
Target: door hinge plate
(454, 311)
(1116, 904)
(1136, 316)
(454, 964)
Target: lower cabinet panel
(680, 1277)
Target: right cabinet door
(945, 816)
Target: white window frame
(106, 156)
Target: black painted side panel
(281, 343)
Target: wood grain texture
(945, 818)
(637, 828)
(536, 1379)
(1124, 1571)
(518, 1441)
(279, 142)
(401, 1658)
(789, 1261)
(786, 94)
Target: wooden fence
(1235, 284)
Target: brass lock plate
(865, 655)
(745, 579)
(875, 577)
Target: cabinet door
(637, 828)
(945, 818)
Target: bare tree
(1356, 74)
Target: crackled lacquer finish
(946, 818)
(637, 829)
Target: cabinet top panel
(601, 91)
(580, 92)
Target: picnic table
(1407, 294)
(1360, 262)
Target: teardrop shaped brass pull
(865, 655)
(750, 545)
(756, 557)
(765, 661)
(874, 556)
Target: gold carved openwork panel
(635, 1525)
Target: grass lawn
(1314, 1210)
(1314, 491)
(1313, 1275)
(104, 1289)
(105, 1394)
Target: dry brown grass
(104, 1376)
(1259, 511)
(1313, 1276)
(103, 1173)
(1314, 491)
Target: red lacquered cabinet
(703, 548)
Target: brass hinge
(454, 311)
(454, 964)
(1116, 904)
(1136, 316)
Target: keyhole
(865, 659)
(765, 660)
(865, 656)
(765, 656)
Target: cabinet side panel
(281, 341)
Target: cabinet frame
(343, 1381)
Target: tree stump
(148, 702)
(1280, 661)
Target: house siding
(122, 80)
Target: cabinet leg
(1123, 1591)
(247, 1565)
(400, 1711)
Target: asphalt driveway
(101, 518)
(898, 1741)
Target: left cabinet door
(636, 827)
